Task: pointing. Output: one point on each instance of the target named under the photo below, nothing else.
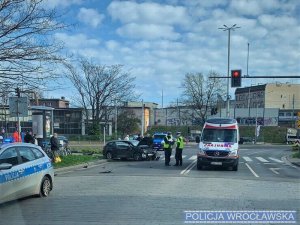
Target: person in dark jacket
(54, 142)
(28, 138)
(148, 140)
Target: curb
(295, 163)
(79, 166)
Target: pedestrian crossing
(242, 159)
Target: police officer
(168, 142)
(179, 147)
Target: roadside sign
(18, 106)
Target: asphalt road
(147, 192)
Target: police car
(25, 170)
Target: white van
(218, 144)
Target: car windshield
(219, 135)
(159, 136)
(134, 142)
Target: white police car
(25, 170)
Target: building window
(283, 106)
(281, 114)
(288, 114)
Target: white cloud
(148, 13)
(271, 21)
(148, 31)
(90, 17)
(161, 43)
(77, 41)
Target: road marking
(193, 157)
(188, 168)
(274, 170)
(262, 159)
(247, 159)
(172, 156)
(183, 156)
(252, 171)
(276, 160)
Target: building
(281, 96)
(280, 101)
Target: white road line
(193, 157)
(274, 170)
(252, 171)
(276, 160)
(183, 156)
(262, 159)
(188, 168)
(247, 159)
(172, 156)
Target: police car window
(9, 156)
(26, 154)
(37, 153)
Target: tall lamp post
(226, 28)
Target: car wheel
(235, 168)
(137, 157)
(46, 187)
(108, 155)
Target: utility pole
(143, 118)
(18, 111)
(116, 120)
(226, 28)
(293, 111)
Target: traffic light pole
(226, 28)
(228, 65)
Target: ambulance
(219, 144)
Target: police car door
(10, 181)
(32, 169)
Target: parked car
(158, 139)
(246, 139)
(128, 150)
(25, 170)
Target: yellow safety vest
(180, 142)
(167, 145)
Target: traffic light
(236, 78)
(17, 90)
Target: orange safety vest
(17, 137)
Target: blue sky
(160, 41)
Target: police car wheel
(45, 187)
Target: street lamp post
(226, 28)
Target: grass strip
(72, 160)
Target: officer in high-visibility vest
(179, 147)
(168, 142)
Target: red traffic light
(236, 74)
(236, 78)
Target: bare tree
(201, 92)
(27, 50)
(100, 87)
